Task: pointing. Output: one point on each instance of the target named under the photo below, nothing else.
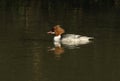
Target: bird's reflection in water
(58, 50)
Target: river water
(25, 53)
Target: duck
(68, 39)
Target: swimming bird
(68, 39)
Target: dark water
(24, 45)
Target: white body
(72, 39)
(57, 38)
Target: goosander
(68, 39)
